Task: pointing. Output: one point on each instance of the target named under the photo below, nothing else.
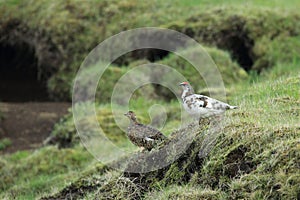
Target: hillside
(252, 153)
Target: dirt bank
(28, 124)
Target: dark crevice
(240, 47)
(19, 74)
(149, 54)
(238, 44)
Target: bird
(200, 106)
(142, 135)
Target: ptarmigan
(200, 106)
(142, 135)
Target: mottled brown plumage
(142, 135)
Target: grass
(256, 155)
(69, 30)
(28, 174)
(204, 4)
(256, 3)
(4, 143)
(185, 192)
(258, 128)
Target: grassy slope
(255, 157)
(266, 132)
(267, 126)
(27, 174)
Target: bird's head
(186, 89)
(184, 85)
(130, 115)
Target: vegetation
(5, 142)
(255, 156)
(65, 33)
(27, 175)
(1, 116)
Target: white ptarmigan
(200, 106)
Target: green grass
(255, 156)
(28, 174)
(4, 143)
(266, 126)
(204, 4)
(263, 133)
(73, 28)
(185, 192)
(10, 2)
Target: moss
(173, 175)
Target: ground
(27, 125)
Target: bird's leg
(200, 121)
(204, 121)
(142, 149)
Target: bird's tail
(233, 107)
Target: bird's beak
(180, 84)
(125, 114)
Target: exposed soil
(27, 125)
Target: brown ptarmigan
(142, 135)
(200, 106)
